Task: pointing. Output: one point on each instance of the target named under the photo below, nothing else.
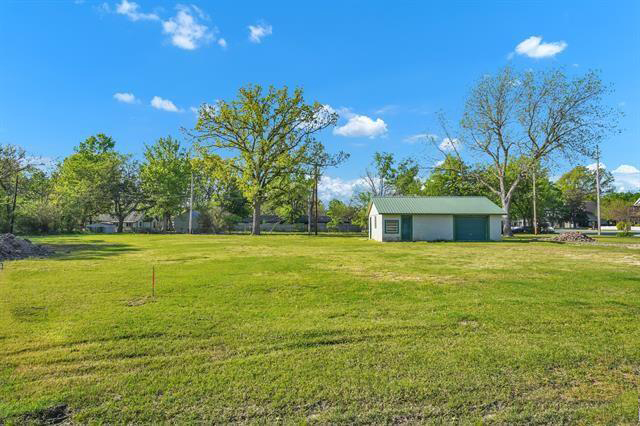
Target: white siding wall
(432, 227)
(495, 228)
(427, 227)
(390, 237)
(376, 224)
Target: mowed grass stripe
(288, 328)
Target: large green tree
(13, 159)
(386, 177)
(450, 178)
(13, 166)
(549, 203)
(36, 212)
(83, 181)
(621, 211)
(379, 177)
(290, 197)
(578, 185)
(340, 212)
(165, 176)
(214, 186)
(267, 133)
(125, 191)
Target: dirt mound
(12, 247)
(573, 237)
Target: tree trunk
(13, 206)
(310, 213)
(255, 228)
(315, 200)
(120, 224)
(598, 221)
(535, 207)
(506, 229)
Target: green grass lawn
(292, 329)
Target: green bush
(217, 220)
(623, 226)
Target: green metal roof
(435, 205)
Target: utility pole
(320, 161)
(535, 210)
(191, 207)
(598, 188)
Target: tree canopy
(267, 134)
(527, 117)
(165, 175)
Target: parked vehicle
(544, 228)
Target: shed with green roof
(434, 219)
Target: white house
(133, 222)
(434, 219)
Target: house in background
(635, 218)
(434, 219)
(181, 223)
(102, 227)
(134, 222)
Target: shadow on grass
(86, 251)
(528, 240)
(299, 234)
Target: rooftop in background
(435, 205)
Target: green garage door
(471, 228)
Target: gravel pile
(573, 237)
(12, 247)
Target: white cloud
(626, 169)
(335, 187)
(534, 48)
(164, 104)
(361, 126)
(438, 163)
(131, 10)
(200, 12)
(127, 98)
(185, 30)
(593, 166)
(627, 178)
(449, 144)
(259, 31)
(420, 137)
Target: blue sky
(135, 70)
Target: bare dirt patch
(139, 301)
